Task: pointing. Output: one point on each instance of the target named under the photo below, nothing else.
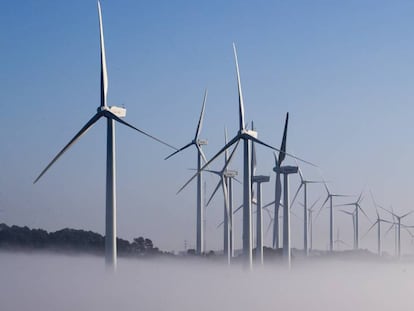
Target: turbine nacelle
(249, 133)
(230, 173)
(120, 112)
(286, 169)
(201, 142)
(260, 178)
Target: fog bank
(61, 282)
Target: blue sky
(342, 69)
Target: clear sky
(343, 69)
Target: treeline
(24, 238)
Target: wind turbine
(378, 223)
(246, 136)
(112, 114)
(329, 198)
(357, 205)
(398, 226)
(226, 184)
(304, 184)
(197, 142)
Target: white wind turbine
(304, 184)
(329, 197)
(247, 136)
(378, 224)
(197, 142)
(398, 226)
(112, 114)
(357, 205)
(226, 182)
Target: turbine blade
(314, 203)
(104, 74)
(320, 209)
(83, 130)
(282, 153)
(238, 209)
(201, 153)
(215, 190)
(210, 171)
(391, 213)
(370, 228)
(405, 215)
(271, 147)
(226, 153)
(239, 88)
(390, 228)
(226, 198)
(269, 226)
(254, 160)
(341, 195)
(276, 160)
(326, 187)
(363, 212)
(238, 180)
(269, 204)
(177, 151)
(230, 157)
(234, 140)
(200, 120)
(296, 194)
(109, 114)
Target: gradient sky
(343, 69)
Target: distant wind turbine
(378, 224)
(197, 142)
(357, 205)
(226, 184)
(112, 114)
(398, 226)
(304, 184)
(329, 197)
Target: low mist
(42, 281)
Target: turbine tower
(112, 114)
(259, 179)
(197, 142)
(329, 197)
(286, 171)
(247, 136)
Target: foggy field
(62, 282)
